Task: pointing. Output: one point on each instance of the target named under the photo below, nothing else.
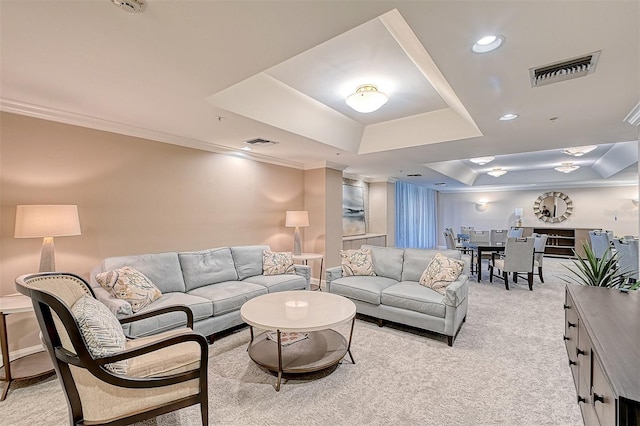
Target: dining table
(482, 247)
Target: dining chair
(515, 232)
(600, 243)
(627, 257)
(499, 235)
(539, 246)
(449, 240)
(466, 229)
(105, 377)
(517, 258)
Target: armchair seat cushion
(164, 362)
(364, 288)
(413, 296)
(229, 296)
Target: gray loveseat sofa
(214, 283)
(395, 293)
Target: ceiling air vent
(260, 142)
(564, 70)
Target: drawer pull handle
(566, 338)
(572, 362)
(581, 399)
(598, 398)
(567, 306)
(571, 324)
(580, 352)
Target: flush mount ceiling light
(131, 6)
(567, 167)
(366, 99)
(496, 172)
(508, 117)
(488, 43)
(578, 151)
(482, 160)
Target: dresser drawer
(604, 398)
(571, 325)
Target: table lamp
(518, 213)
(47, 221)
(297, 218)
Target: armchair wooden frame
(47, 304)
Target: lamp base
(296, 242)
(519, 223)
(47, 255)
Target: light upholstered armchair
(106, 378)
(517, 258)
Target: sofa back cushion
(248, 260)
(387, 261)
(417, 260)
(200, 268)
(163, 269)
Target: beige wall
(134, 196)
(382, 207)
(608, 208)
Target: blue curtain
(416, 213)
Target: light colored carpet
(508, 366)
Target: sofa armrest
(120, 308)
(332, 274)
(304, 271)
(457, 291)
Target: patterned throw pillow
(101, 331)
(441, 272)
(277, 262)
(129, 284)
(357, 262)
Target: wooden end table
(26, 367)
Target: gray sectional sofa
(214, 283)
(395, 293)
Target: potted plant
(599, 272)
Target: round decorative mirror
(553, 207)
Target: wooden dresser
(602, 336)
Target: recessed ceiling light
(488, 43)
(482, 160)
(567, 167)
(508, 117)
(246, 148)
(497, 172)
(579, 151)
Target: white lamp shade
(297, 218)
(519, 211)
(47, 221)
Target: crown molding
(60, 116)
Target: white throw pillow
(441, 272)
(101, 331)
(277, 262)
(129, 284)
(357, 262)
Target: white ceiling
(212, 74)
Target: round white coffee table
(305, 315)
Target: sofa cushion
(417, 260)
(248, 260)
(277, 262)
(230, 295)
(100, 330)
(387, 261)
(131, 285)
(357, 262)
(163, 269)
(441, 272)
(363, 288)
(202, 308)
(284, 282)
(412, 296)
(200, 268)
